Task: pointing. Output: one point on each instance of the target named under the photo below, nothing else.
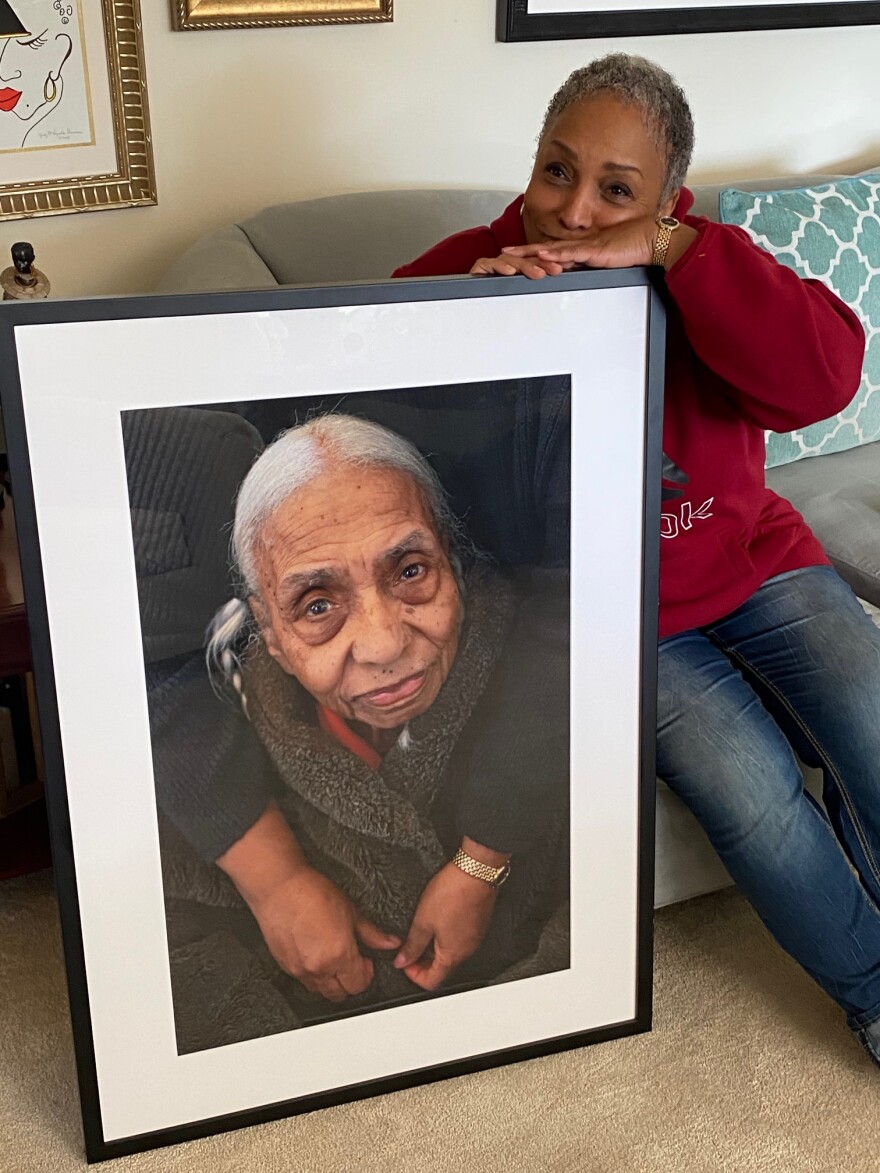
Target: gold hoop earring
(50, 89)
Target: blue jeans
(796, 668)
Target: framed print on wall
(246, 14)
(550, 20)
(395, 678)
(74, 123)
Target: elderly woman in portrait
(365, 640)
(764, 650)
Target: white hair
(290, 462)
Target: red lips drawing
(9, 98)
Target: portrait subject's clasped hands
(314, 932)
(449, 924)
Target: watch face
(668, 222)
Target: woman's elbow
(837, 373)
(845, 367)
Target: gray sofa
(364, 236)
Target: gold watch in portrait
(481, 871)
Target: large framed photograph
(553, 20)
(74, 123)
(343, 611)
(241, 14)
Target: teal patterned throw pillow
(832, 233)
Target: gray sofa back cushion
(362, 236)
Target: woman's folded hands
(614, 246)
(314, 932)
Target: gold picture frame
(190, 15)
(96, 153)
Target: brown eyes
(414, 583)
(613, 191)
(318, 608)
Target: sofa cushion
(360, 236)
(839, 497)
(830, 232)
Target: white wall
(244, 118)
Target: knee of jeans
(764, 826)
(745, 805)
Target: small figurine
(23, 281)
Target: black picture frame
(516, 23)
(34, 339)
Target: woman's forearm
(266, 856)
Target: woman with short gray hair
(764, 650)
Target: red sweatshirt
(750, 345)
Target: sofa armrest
(225, 259)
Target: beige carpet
(749, 1068)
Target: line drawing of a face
(31, 81)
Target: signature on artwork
(59, 132)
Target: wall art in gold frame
(245, 14)
(74, 125)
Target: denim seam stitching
(857, 826)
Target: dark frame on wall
(516, 22)
(139, 1089)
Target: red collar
(337, 728)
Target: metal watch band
(666, 226)
(481, 871)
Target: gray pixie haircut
(289, 463)
(654, 92)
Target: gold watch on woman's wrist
(481, 871)
(666, 225)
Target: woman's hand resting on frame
(617, 246)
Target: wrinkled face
(358, 600)
(27, 63)
(596, 165)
